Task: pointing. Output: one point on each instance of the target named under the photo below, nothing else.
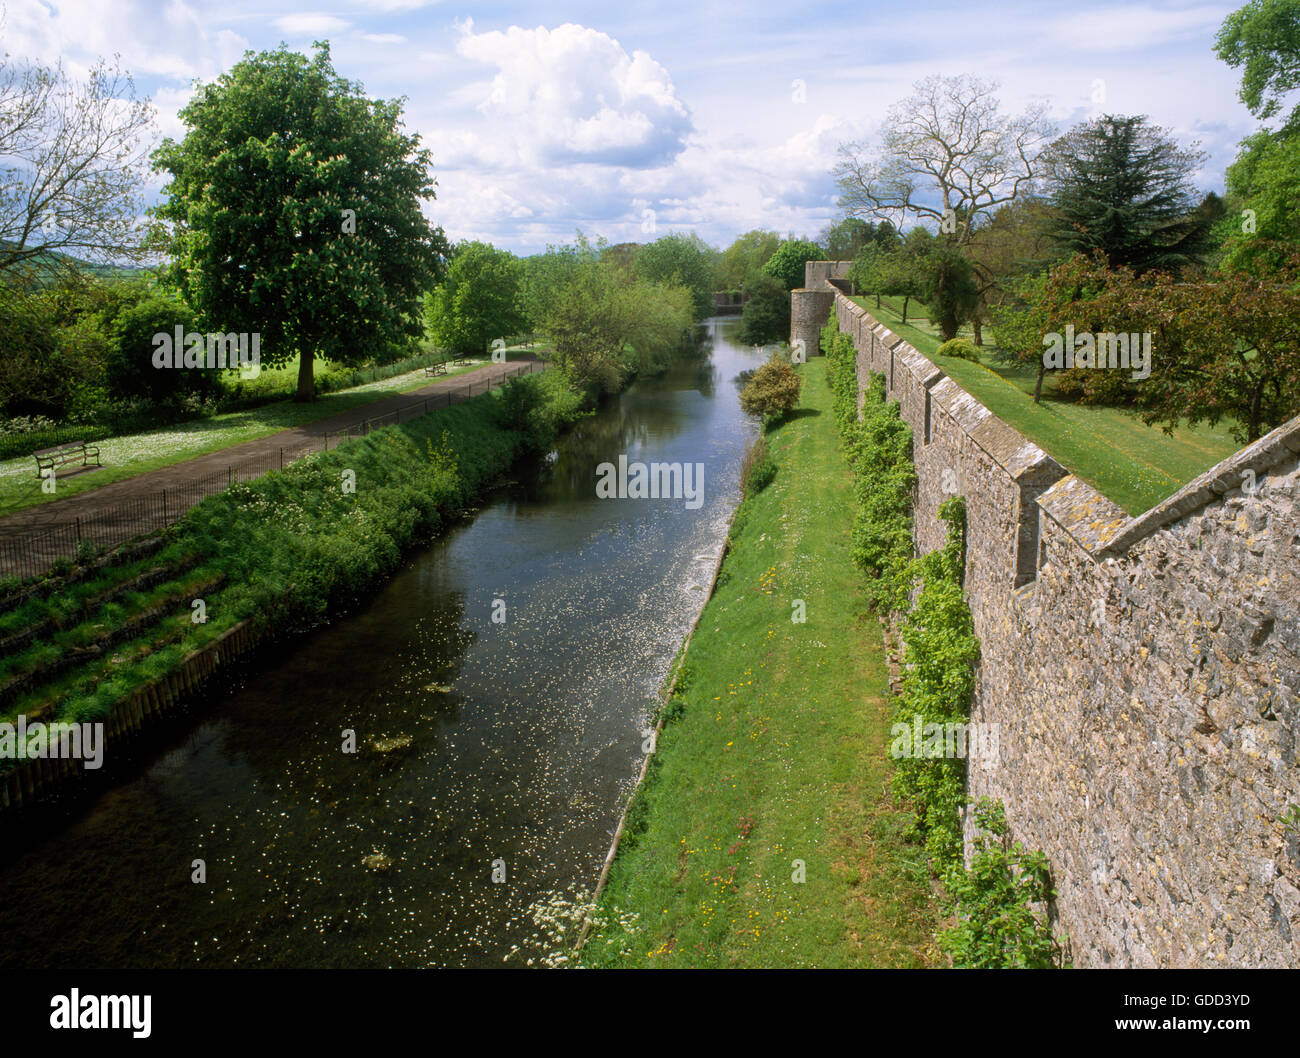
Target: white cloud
(311, 23)
(572, 94)
(397, 5)
(536, 131)
(179, 45)
(1123, 27)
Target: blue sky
(548, 118)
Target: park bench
(440, 368)
(62, 455)
(460, 360)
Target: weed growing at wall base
(878, 448)
(996, 900)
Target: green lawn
(1135, 465)
(779, 754)
(282, 380)
(125, 457)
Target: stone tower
(811, 304)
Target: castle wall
(1144, 673)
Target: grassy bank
(775, 750)
(284, 550)
(133, 454)
(1133, 464)
(994, 901)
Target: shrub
(131, 372)
(758, 468)
(994, 901)
(34, 377)
(963, 348)
(773, 391)
(538, 406)
(1097, 385)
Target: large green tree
(605, 323)
(684, 260)
(788, 261)
(1011, 247)
(294, 208)
(901, 272)
(843, 241)
(1262, 39)
(1224, 347)
(766, 315)
(479, 299)
(1122, 186)
(745, 257)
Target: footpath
(35, 536)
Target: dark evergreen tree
(1123, 186)
(766, 316)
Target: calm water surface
(525, 735)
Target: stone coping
(1100, 525)
(1220, 480)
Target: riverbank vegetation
(764, 834)
(283, 551)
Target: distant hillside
(50, 263)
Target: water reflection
(477, 741)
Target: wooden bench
(440, 368)
(461, 360)
(63, 455)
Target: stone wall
(811, 304)
(806, 308)
(1144, 672)
(817, 274)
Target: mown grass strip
(135, 454)
(1133, 464)
(775, 755)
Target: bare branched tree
(946, 153)
(73, 164)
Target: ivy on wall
(998, 902)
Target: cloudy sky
(552, 117)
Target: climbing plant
(878, 447)
(997, 901)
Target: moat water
(525, 733)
